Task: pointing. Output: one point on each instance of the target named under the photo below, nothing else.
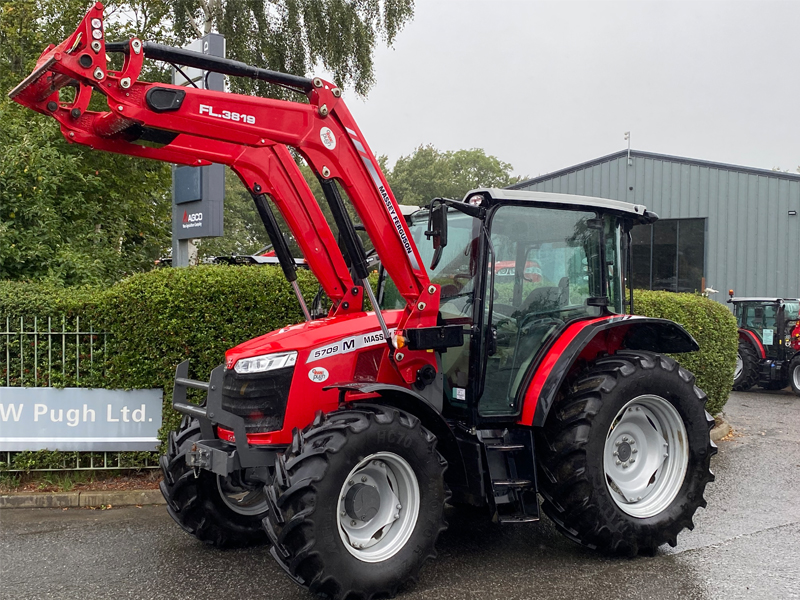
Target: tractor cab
(765, 344)
(520, 266)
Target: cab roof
(634, 210)
(761, 299)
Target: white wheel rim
(796, 377)
(739, 366)
(646, 456)
(380, 536)
(244, 501)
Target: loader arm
(196, 127)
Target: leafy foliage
(67, 214)
(293, 36)
(70, 215)
(712, 325)
(429, 173)
(158, 319)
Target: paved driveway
(746, 544)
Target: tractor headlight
(265, 362)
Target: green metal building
(721, 226)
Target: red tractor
(769, 343)
(340, 440)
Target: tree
(67, 213)
(75, 215)
(294, 36)
(429, 173)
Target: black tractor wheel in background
(357, 502)
(794, 374)
(745, 374)
(222, 512)
(624, 454)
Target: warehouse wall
(752, 245)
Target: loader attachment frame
(250, 135)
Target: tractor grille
(258, 397)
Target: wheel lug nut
(633, 442)
(352, 522)
(633, 460)
(399, 506)
(624, 465)
(363, 478)
(619, 462)
(344, 514)
(350, 482)
(616, 453)
(634, 451)
(617, 443)
(625, 439)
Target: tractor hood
(326, 337)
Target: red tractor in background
(339, 440)
(769, 343)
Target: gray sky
(545, 85)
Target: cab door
(544, 264)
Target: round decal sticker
(318, 374)
(327, 137)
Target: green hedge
(161, 318)
(712, 325)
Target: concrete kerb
(721, 429)
(88, 499)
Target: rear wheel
(221, 511)
(625, 454)
(357, 502)
(745, 375)
(794, 374)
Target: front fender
(752, 338)
(587, 340)
(415, 404)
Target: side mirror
(437, 229)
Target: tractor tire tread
(569, 497)
(193, 499)
(291, 508)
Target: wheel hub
(362, 502)
(641, 474)
(624, 452)
(378, 507)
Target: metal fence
(58, 352)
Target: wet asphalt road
(745, 545)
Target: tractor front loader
(339, 440)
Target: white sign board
(79, 419)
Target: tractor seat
(545, 299)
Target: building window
(669, 255)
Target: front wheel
(221, 511)
(357, 502)
(794, 374)
(625, 454)
(745, 375)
